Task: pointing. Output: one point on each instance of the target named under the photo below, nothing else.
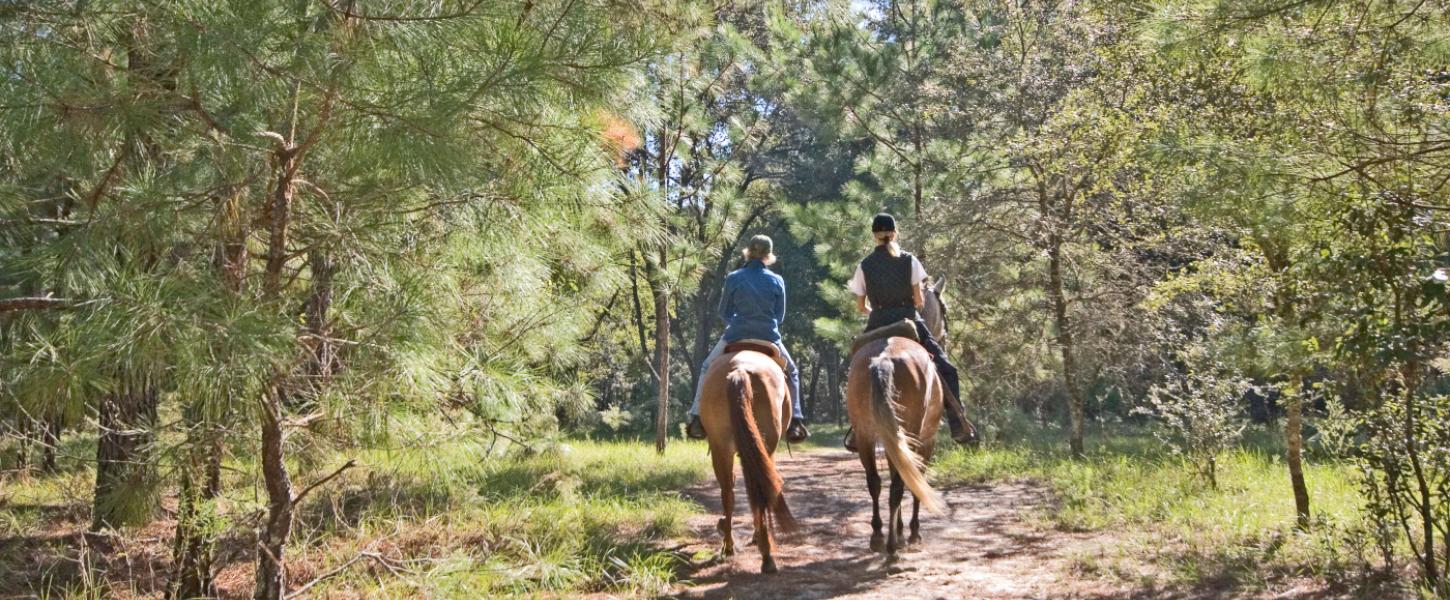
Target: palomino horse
(894, 397)
(744, 407)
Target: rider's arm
(918, 275)
(779, 308)
(861, 305)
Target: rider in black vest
(891, 281)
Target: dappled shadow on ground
(65, 558)
(981, 548)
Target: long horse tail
(887, 429)
(763, 485)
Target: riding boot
(962, 431)
(695, 430)
(797, 431)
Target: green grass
(1240, 534)
(581, 516)
(432, 514)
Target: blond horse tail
(888, 429)
(763, 485)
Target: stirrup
(850, 440)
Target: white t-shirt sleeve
(918, 272)
(857, 285)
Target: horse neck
(931, 312)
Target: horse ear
(941, 285)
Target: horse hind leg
(915, 521)
(895, 538)
(724, 461)
(764, 541)
(873, 485)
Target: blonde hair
(888, 239)
(768, 259)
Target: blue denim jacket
(753, 303)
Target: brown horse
(895, 398)
(744, 407)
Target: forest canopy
(272, 232)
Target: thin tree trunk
(1294, 444)
(1065, 344)
(1429, 561)
(1293, 396)
(638, 311)
(813, 407)
(833, 385)
(125, 491)
(279, 215)
(271, 573)
(662, 353)
(705, 300)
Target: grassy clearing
(425, 516)
(1239, 535)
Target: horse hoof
(878, 543)
(727, 550)
(914, 539)
(768, 565)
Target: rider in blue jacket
(752, 305)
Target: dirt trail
(980, 549)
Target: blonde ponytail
(888, 239)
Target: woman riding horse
(888, 288)
(753, 307)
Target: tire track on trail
(980, 548)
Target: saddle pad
(761, 346)
(903, 328)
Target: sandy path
(980, 549)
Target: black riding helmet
(883, 222)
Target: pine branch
(351, 462)
(34, 303)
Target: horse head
(934, 311)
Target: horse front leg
(895, 538)
(724, 462)
(873, 485)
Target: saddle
(761, 346)
(903, 328)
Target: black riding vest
(888, 287)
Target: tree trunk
(1061, 321)
(1293, 397)
(814, 406)
(662, 355)
(705, 300)
(125, 492)
(271, 574)
(1294, 444)
(1425, 506)
(833, 385)
(279, 213)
